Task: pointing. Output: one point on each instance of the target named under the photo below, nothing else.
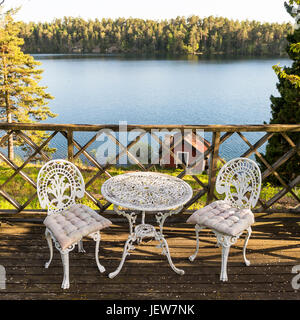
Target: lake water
(106, 90)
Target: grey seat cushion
(222, 217)
(71, 225)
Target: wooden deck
(273, 250)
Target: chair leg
(197, 230)
(225, 253)
(97, 237)
(249, 231)
(65, 261)
(80, 246)
(50, 245)
(225, 242)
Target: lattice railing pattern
(78, 149)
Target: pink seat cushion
(222, 217)
(71, 225)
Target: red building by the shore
(187, 149)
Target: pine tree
(286, 108)
(21, 97)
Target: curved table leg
(166, 251)
(127, 247)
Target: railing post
(70, 145)
(213, 167)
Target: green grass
(21, 190)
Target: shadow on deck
(273, 250)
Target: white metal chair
(59, 182)
(240, 180)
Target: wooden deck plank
(273, 250)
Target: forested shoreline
(192, 35)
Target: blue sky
(47, 10)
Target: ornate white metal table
(146, 192)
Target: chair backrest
(59, 182)
(240, 180)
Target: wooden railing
(220, 134)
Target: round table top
(147, 191)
